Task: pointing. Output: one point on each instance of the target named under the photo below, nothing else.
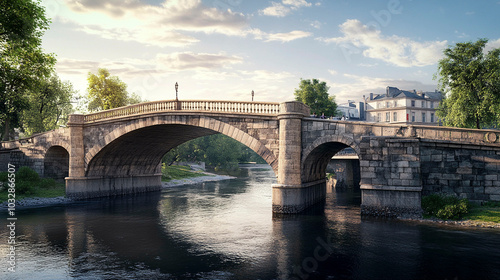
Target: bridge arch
(318, 154)
(56, 162)
(136, 146)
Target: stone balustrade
(261, 108)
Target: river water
(226, 230)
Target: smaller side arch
(56, 163)
(317, 155)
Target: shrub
(4, 176)
(445, 207)
(27, 174)
(24, 187)
(47, 183)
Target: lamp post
(176, 89)
(252, 95)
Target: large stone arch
(317, 155)
(119, 154)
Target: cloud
(157, 25)
(287, 37)
(492, 45)
(284, 8)
(190, 61)
(275, 10)
(399, 51)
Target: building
(401, 106)
(352, 111)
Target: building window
(413, 115)
(387, 104)
(432, 105)
(423, 104)
(379, 117)
(395, 117)
(387, 117)
(413, 103)
(432, 117)
(423, 117)
(395, 103)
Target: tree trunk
(6, 132)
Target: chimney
(371, 95)
(423, 95)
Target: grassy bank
(176, 172)
(27, 183)
(452, 208)
(489, 212)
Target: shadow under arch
(56, 163)
(317, 155)
(139, 151)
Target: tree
(105, 91)
(470, 78)
(23, 65)
(50, 105)
(208, 149)
(314, 94)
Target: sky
(224, 49)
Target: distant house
(351, 110)
(401, 106)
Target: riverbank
(462, 223)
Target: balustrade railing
(261, 108)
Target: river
(226, 230)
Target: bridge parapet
(234, 107)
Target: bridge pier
(290, 195)
(82, 188)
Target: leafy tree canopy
(314, 94)
(108, 92)
(50, 105)
(471, 80)
(23, 65)
(208, 149)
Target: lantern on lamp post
(252, 95)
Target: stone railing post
(288, 194)
(76, 153)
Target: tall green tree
(23, 64)
(50, 105)
(314, 94)
(470, 79)
(105, 91)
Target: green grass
(178, 172)
(58, 190)
(484, 213)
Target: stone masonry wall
(467, 171)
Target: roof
(393, 92)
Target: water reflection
(225, 230)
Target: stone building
(401, 106)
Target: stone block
(492, 190)
(491, 177)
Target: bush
(47, 183)
(24, 187)
(4, 176)
(445, 207)
(27, 174)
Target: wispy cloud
(399, 51)
(287, 37)
(284, 8)
(163, 25)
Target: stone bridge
(119, 151)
